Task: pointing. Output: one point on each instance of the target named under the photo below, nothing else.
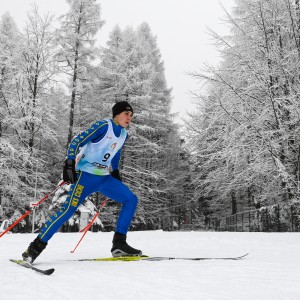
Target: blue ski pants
(85, 185)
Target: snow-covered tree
(245, 134)
(76, 38)
(36, 67)
(27, 128)
(131, 69)
(9, 67)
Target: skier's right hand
(69, 172)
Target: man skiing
(90, 156)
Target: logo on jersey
(113, 146)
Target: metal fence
(273, 218)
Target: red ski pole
(86, 229)
(30, 210)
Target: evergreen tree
(131, 69)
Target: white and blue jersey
(100, 147)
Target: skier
(90, 156)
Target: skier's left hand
(69, 172)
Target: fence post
(242, 222)
(292, 219)
(249, 221)
(267, 219)
(278, 219)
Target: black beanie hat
(120, 107)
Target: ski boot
(34, 250)
(121, 248)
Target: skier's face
(124, 118)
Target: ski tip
(18, 261)
(49, 271)
(244, 255)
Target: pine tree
(131, 69)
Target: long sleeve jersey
(99, 147)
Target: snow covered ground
(270, 271)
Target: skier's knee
(133, 200)
(136, 200)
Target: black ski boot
(34, 250)
(121, 248)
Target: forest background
(239, 151)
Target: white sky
(180, 27)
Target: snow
(270, 271)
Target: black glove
(69, 173)
(116, 174)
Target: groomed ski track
(271, 271)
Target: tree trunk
(74, 83)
